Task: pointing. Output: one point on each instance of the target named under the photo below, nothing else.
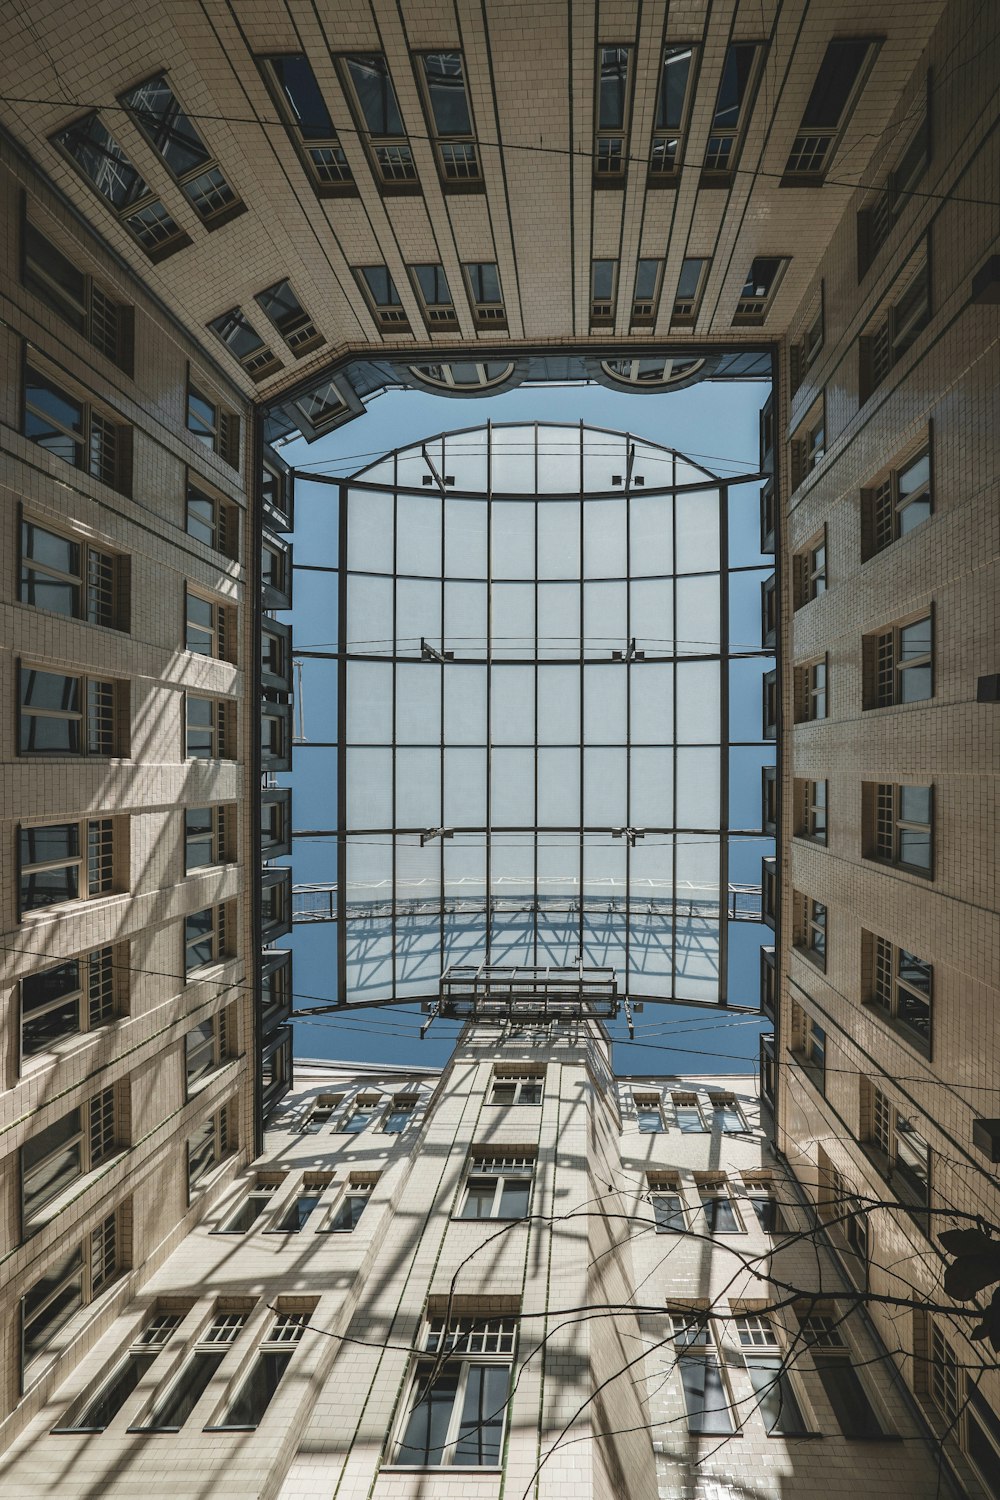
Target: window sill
(499, 1219)
(899, 1029)
(71, 1193)
(459, 1470)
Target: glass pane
(480, 1434)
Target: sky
(716, 425)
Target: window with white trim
(346, 1212)
(257, 1199)
(94, 1411)
(383, 299)
(172, 1408)
(843, 1386)
(455, 1408)
(811, 690)
(512, 1085)
(733, 104)
(667, 1203)
(838, 85)
(611, 115)
(322, 1113)
(687, 1113)
(281, 306)
(648, 1113)
(673, 107)
(727, 1114)
(719, 1214)
(210, 626)
(246, 1410)
(646, 292)
(809, 563)
(304, 1204)
(241, 339)
(399, 1113)
(899, 825)
(707, 1396)
(603, 290)
(774, 1388)
(363, 1112)
(810, 810)
(482, 282)
(434, 295)
(498, 1185)
(689, 290)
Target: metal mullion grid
(673, 689)
(628, 666)
(100, 856)
(581, 865)
(341, 853)
(724, 667)
(394, 822)
(487, 839)
(538, 652)
(882, 973)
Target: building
(600, 1252)
(227, 224)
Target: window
(66, 862)
(156, 110)
(673, 99)
(901, 984)
(899, 664)
(465, 375)
(690, 286)
(76, 298)
(209, 728)
(646, 292)
(811, 691)
(272, 1359)
(171, 1410)
(62, 715)
(727, 1115)
(373, 99)
(70, 577)
(206, 836)
(900, 825)
(361, 1116)
(281, 306)
(904, 1156)
(511, 1086)
(665, 370)
(383, 298)
(482, 281)
(70, 1283)
(769, 705)
(809, 443)
(718, 1211)
(321, 1113)
(774, 1391)
(303, 1205)
(297, 94)
(648, 1114)
(275, 737)
(667, 1205)
(434, 295)
(839, 82)
(346, 1216)
(212, 520)
(845, 1392)
(209, 1145)
(244, 343)
(275, 573)
(769, 612)
(57, 1156)
(73, 996)
(275, 655)
(446, 99)
(603, 285)
(324, 406)
(982, 1437)
(206, 1048)
(810, 938)
(498, 1187)
(687, 1114)
(214, 427)
(893, 331)
(206, 938)
(73, 430)
(611, 134)
(95, 1412)
(706, 1396)
(399, 1114)
(760, 1194)
(102, 162)
(896, 505)
(805, 353)
(769, 799)
(210, 627)
(843, 1210)
(810, 570)
(757, 295)
(877, 218)
(732, 111)
(455, 1408)
(251, 1206)
(810, 810)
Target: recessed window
(70, 577)
(810, 810)
(210, 628)
(897, 326)
(690, 286)
(455, 1409)
(648, 1114)
(206, 1048)
(757, 295)
(322, 407)
(95, 1411)
(902, 1154)
(810, 570)
(806, 351)
(276, 737)
(667, 1205)
(244, 343)
(70, 997)
(673, 98)
(206, 938)
(809, 1041)
(886, 207)
(843, 1386)
(899, 825)
(66, 862)
(322, 1113)
(250, 1207)
(838, 84)
(706, 1396)
(603, 287)
(60, 715)
(899, 664)
(446, 99)
(646, 292)
(72, 429)
(655, 373)
(76, 298)
(281, 306)
(304, 1204)
(514, 1088)
(811, 934)
(103, 163)
(482, 280)
(727, 1115)
(901, 985)
(274, 1354)
(732, 110)
(209, 728)
(346, 1215)
(53, 1158)
(156, 110)
(497, 1187)
(299, 99)
(68, 1284)
(811, 687)
(809, 443)
(383, 298)
(212, 520)
(896, 505)
(209, 1145)
(687, 1114)
(718, 1213)
(400, 1113)
(373, 98)
(434, 294)
(213, 426)
(171, 1409)
(362, 1114)
(465, 375)
(612, 112)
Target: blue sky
(715, 424)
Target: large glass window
(455, 1409)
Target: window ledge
(899, 1029)
(459, 1470)
(499, 1219)
(70, 1194)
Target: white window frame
(470, 1342)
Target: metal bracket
(431, 653)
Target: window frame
(888, 824)
(145, 218)
(257, 359)
(521, 1084)
(277, 1345)
(752, 307)
(812, 806)
(611, 142)
(88, 1261)
(101, 443)
(486, 312)
(219, 935)
(100, 581)
(221, 633)
(667, 142)
(885, 503)
(101, 716)
(603, 308)
(684, 310)
(885, 981)
(390, 155)
(818, 144)
(221, 729)
(157, 133)
(106, 324)
(96, 861)
(96, 995)
(714, 171)
(295, 327)
(326, 145)
(221, 432)
(93, 1142)
(501, 1329)
(218, 1130)
(452, 181)
(811, 562)
(490, 1167)
(223, 527)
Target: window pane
(375, 94)
(847, 1396)
(673, 88)
(187, 1391)
(48, 844)
(446, 90)
(514, 1199)
(481, 1431)
(257, 1390)
(298, 82)
(776, 1399)
(167, 126)
(834, 82)
(732, 89)
(112, 1398)
(705, 1396)
(427, 1425)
